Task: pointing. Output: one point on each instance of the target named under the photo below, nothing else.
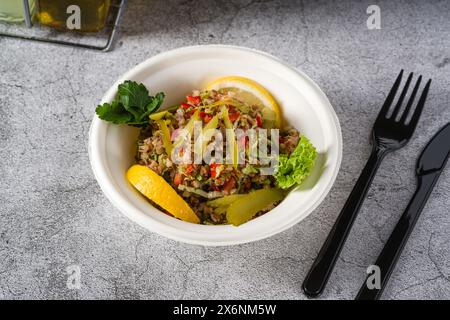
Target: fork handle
(322, 267)
(394, 246)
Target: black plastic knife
(429, 167)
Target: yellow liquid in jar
(12, 10)
(92, 13)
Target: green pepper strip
(161, 114)
(208, 131)
(165, 136)
(229, 125)
(189, 127)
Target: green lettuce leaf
(292, 170)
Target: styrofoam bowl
(112, 147)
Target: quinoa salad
(235, 119)
(199, 183)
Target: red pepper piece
(194, 100)
(178, 179)
(189, 168)
(234, 116)
(207, 118)
(212, 169)
(259, 121)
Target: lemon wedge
(154, 187)
(250, 92)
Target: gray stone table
(53, 214)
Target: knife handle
(393, 248)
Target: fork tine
(402, 97)
(419, 108)
(410, 101)
(387, 103)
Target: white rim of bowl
(98, 131)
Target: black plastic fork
(389, 133)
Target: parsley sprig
(132, 105)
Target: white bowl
(177, 72)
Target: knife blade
(430, 164)
(435, 154)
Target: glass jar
(77, 15)
(13, 10)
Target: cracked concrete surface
(53, 214)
